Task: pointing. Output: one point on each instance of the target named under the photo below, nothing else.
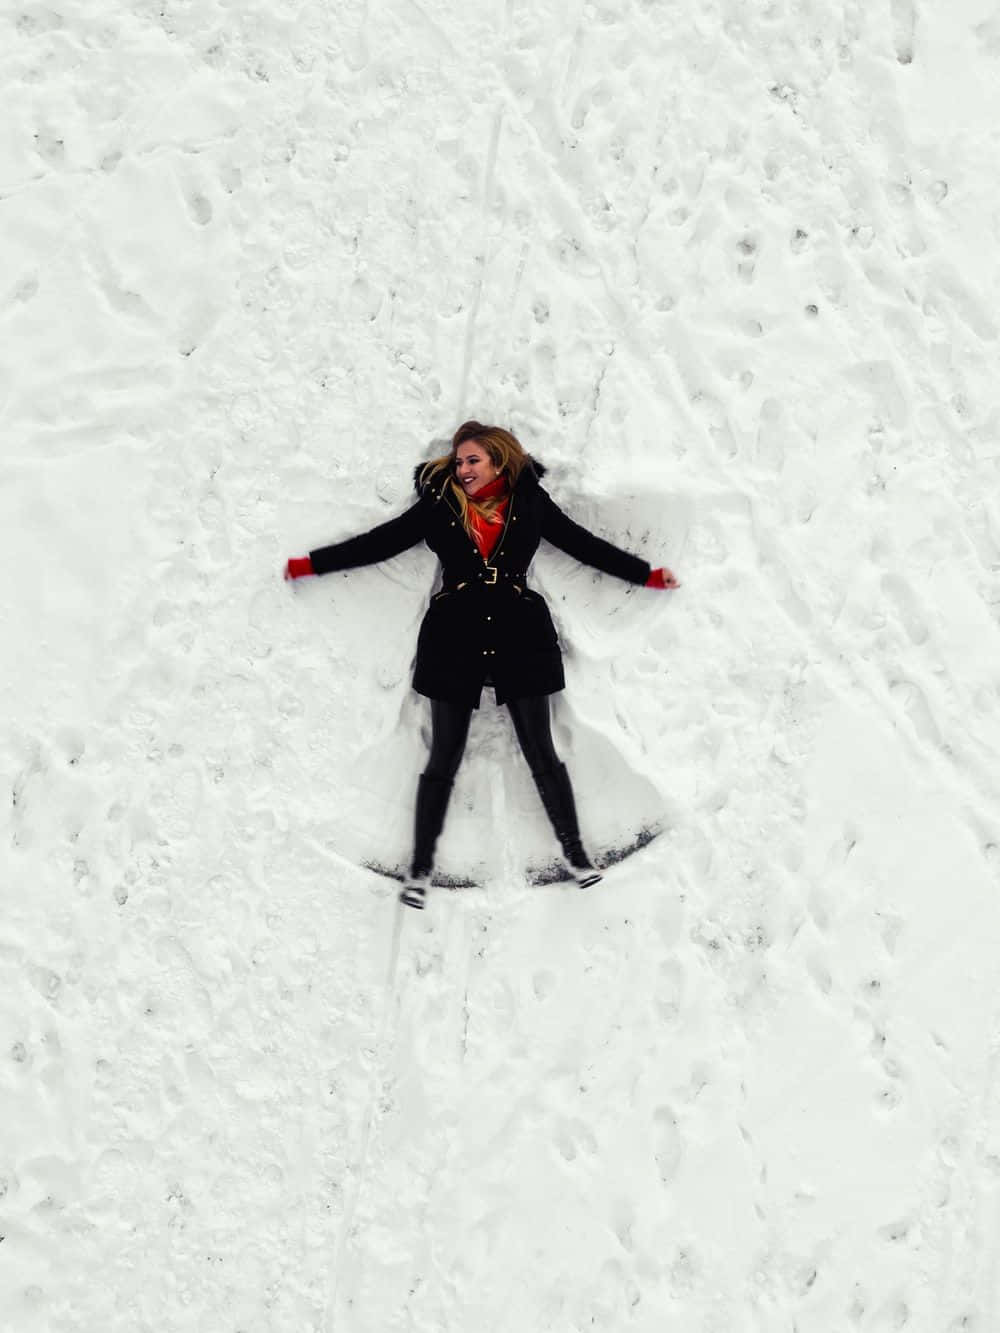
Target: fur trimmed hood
(531, 475)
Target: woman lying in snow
(482, 510)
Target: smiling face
(473, 467)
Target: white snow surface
(730, 270)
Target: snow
(730, 271)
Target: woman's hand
(298, 567)
(661, 578)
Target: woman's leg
(534, 732)
(449, 730)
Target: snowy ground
(730, 270)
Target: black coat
(485, 626)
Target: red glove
(299, 566)
(661, 578)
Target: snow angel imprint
(483, 510)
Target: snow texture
(730, 270)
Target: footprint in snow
(666, 1143)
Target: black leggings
(450, 728)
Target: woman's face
(473, 467)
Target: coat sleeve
(559, 529)
(381, 543)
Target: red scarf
(484, 534)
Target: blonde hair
(503, 450)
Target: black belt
(491, 576)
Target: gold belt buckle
(491, 574)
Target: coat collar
(531, 475)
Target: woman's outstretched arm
(559, 529)
(380, 543)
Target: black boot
(556, 791)
(432, 804)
